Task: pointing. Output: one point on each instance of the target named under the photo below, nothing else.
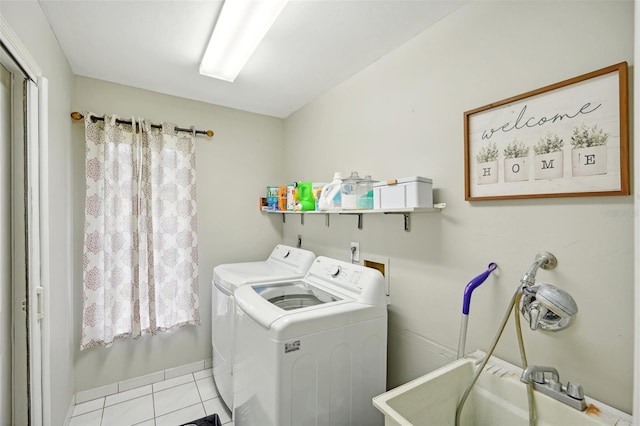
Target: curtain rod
(78, 116)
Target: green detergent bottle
(304, 196)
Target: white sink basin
(497, 399)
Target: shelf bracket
(284, 218)
(407, 219)
(354, 214)
(407, 222)
(302, 219)
(326, 220)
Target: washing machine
(283, 263)
(311, 351)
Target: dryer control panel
(359, 282)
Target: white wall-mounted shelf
(406, 212)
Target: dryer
(311, 351)
(283, 263)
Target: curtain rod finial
(76, 115)
(209, 133)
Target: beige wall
(233, 169)
(403, 116)
(29, 24)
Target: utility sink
(498, 398)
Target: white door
(35, 291)
(5, 245)
(20, 295)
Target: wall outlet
(355, 252)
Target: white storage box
(413, 191)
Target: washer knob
(334, 270)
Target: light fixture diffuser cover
(241, 26)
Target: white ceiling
(157, 45)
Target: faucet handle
(537, 376)
(574, 390)
(536, 313)
(535, 373)
(555, 385)
(534, 317)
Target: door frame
(36, 170)
(636, 168)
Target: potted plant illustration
(548, 157)
(516, 164)
(488, 164)
(589, 151)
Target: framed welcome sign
(568, 139)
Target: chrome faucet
(572, 394)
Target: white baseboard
(147, 379)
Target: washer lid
(233, 275)
(284, 263)
(297, 308)
(267, 302)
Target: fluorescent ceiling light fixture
(241, 26)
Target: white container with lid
(410, 192)
(365, 193)
(350, 191)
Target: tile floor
(171, 402)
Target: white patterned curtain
(140, 246)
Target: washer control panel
(344, 275)
(295, 258)
(360, 282)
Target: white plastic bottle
(330, 195)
